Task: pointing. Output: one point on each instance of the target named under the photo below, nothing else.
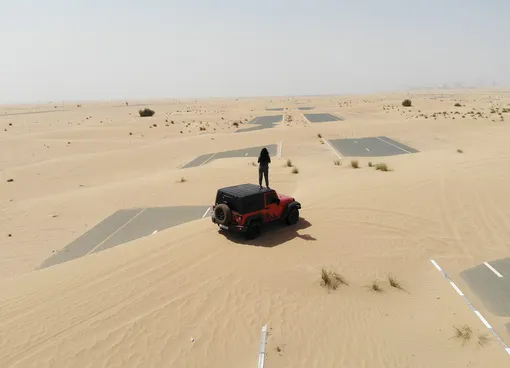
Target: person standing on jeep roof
(264, 161)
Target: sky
(57, 50)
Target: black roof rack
(244, 190)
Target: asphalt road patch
(243, 152)
(124, 226)
(370, 147)
(321, 118)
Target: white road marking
(478, 314)
(367, 149)
(246, 154)
(456, 288)
(206, 212)
(493, 269)
(483, 319)
(436, 265)
(116, 231)
(391, 144)
(334, 150)
(280, 148)
(356, 142)
(206, 161)
(262, 352)
(154, 232)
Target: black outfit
(264, 169)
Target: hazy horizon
(113, 50)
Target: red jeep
(245, 207)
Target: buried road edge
(124, 226)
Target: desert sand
(190, 297)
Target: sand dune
(189, 296)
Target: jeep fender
(250, 219)
(289, 207)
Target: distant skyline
(95, 50)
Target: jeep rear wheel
(293, 216)
(222, 214)
(253, 230)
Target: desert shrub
(382, 167)
(463, 333)
(407, 103)
(331, 280)
(146, 112)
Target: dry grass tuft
(183, 180)
(289, 163)
(331, 280)
(394, 282)
(375, 286)
(355, 164)
(319, 135)
(484, 339)
(295, 170)
(370, 164)
(459, 150)
(382, 167)
(457, 105)
(337, 162)
(463, 333)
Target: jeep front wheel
(222, 214)
(253, 230)
(293, 216)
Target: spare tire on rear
(222, 214)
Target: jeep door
(272, 210)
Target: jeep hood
(285, 198)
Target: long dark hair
(264, 154)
